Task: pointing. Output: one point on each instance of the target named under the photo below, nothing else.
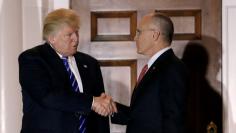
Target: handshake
(104, 105)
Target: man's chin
(74, 51)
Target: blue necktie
(75, 87)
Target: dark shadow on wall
(204, 103)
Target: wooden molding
(185, 13)
(132, 63)
(132, 15)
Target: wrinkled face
(147, 36)
(143, 38)
(65, 41)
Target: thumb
(103, 95)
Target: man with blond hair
(62, 88)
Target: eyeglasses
(139, 32)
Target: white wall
(229, 64)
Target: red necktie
(144, 70)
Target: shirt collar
(156, 56)
(69, 57)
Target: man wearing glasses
(158, 101)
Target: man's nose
(75, 36)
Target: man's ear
(51, 39)
(156, 35)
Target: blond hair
(59, 18)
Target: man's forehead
(145, 22)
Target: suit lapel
(55, 64)
(58, 67)
(145, 79)
(83, 71)
(152, 71)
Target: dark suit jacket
(157, 103)
(49, 103)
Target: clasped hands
(104, 105)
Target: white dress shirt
(74, 69)
(156, 56)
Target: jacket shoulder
(85, 57)
(32, 51)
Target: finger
(104, 111)
(100, 111)
(103, 95)
(111, 108)
(109, 104)
(107, 109)
(114, 108)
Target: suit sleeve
(99, 124)
(122, 116)
(37, 87)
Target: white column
(20, 29)
(10, 47)
(32, 14)
(1, 43)
(229, 64)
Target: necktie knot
(144, 70)
(64, 58)
(65, 61)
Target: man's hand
(104, 105)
